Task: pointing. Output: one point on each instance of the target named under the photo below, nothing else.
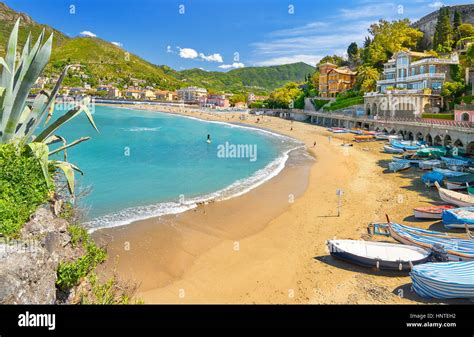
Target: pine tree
(443, 37)
(456, 24)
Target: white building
(191, 94)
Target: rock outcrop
(28, 266)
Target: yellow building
(333, 80)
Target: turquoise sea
(144, 164)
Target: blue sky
(225, 34)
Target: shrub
(344, 103)
(438, 116)
(22, 188)
(70, 273)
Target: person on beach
(314, 144)
(209, 139)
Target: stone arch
(447, 141)
(470, 148)
(367, 109)
(385, 131)
(374, 109)
(458, 143)
(419, 136)
(465, 117)
(438, 141)
(377, 129)
(366, 126)
(393, 132)
(429, 139)
(427, 108)
(410, 136)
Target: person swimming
(209, 139)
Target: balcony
(418, 77)
(434, 60)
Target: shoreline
(282, 256)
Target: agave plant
(19, 120)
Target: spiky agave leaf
(41, 152)
(68, 170)
(67, 146)
(64, 119)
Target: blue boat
(456, 162)
(431, 177)
(457, 249)
(410, 146)
(444, 280)
(458, 217)
(449, 173)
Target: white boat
(390, 149)
(455, 198)
(431, 212)
(399, 165)
(381, 136)
(379, 255)
(430, 164)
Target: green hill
(257, 79)
(103, 62)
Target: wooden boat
(459, 218)
(457, 249)
(429, 164)
(381, 136)
(392, 150)
(444, 280)
(455, 198)
(339, 130)
(379, 255)
(431, 212)
(460, 182)
(399, 165)
(455, 163)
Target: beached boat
(459, 218)
(449, 173)
(444, 280)
(457, 249)
(435, 152)
(430, 178)
(399, 165)
(406, 145)
(381, 136)
(363, 138)
(455, 198)
(431, 212)
(460, 182)
(339, 130)
(380, 255)
(470, 190)
(455, 163)
(392, 150)
(429, 164)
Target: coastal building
(191, 94)
(111, 91)
(215, 101)
(165, 95)
(133, 93)
(464, 113)
(147, 94)
(333, 80)
(410, 85)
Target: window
(432, 69)
(436, 85)
(413, 71)
(402, 60)
(422, 69)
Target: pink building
(215, 101)
(464, 113)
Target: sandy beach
(268, 246)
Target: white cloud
(308, 59)
(232, 66)
(118, 44)
(437, 4)
(378, 10)
(169, 49)
(187, 53)
(212, 58)
(87, 33)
